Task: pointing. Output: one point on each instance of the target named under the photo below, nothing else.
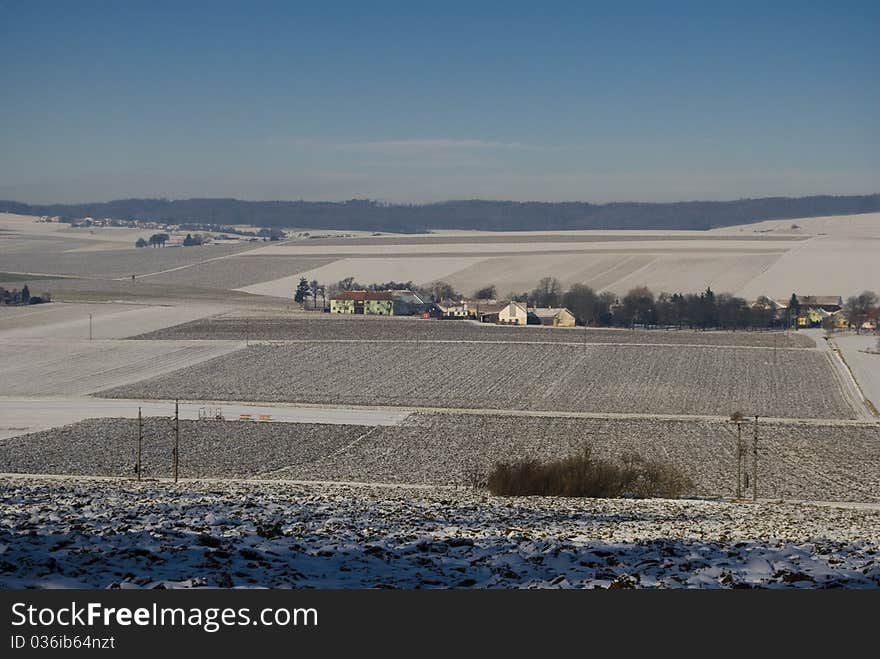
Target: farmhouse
(554, 317)
(811, 317)
(376, 303)
(453, 308)
(513, 313)
(829, 303)
(379, 303)
(839, 320)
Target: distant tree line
(434, 292)
(641, 307)
(23, 296)
(368, 215)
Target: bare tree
(859, 307)
(313, 287)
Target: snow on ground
(21, 416)
(815, 461)
(40, 367)
(860, 353)
(108, 321)
(517, 376)
(369, 270)
(110, 533)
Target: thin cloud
(428, 145)
(405, 146)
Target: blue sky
(651, 101)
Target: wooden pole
(739, 460)
(90, 327)
(755, 463)
(140, 442)
(176, 452)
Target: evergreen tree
(302, 291)
(794, 310)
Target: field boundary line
(185, 266)
(573, 344)
(415, 409)
(329, 456)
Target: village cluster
(802, 311)
(407, 303)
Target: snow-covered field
(71, 321)
(284, 327)
(822, 256)
(40, 367)
(658, 379)
(797, 460)
(366, 271)
(113, 534)
(863, 360)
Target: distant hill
(369, 215)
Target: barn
(551, 316)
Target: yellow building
(552, 316)
(513, 313)
(370, 303)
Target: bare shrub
(475, 476)
(582, 475)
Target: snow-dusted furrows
(85, 533)
(820, 462)
(653, 379)
(371, 328)
(39, 367)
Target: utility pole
(737, 418)
(755, 463)
(90, 327)
(175, 454)
(739, 460)
(140, 442)
(247, 331)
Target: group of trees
(306, 290)
(693, 310)
(640, 306)
(434, 292)
(159, 240)
(156, 240)
(862, 307)
(193, 240)
(23, 296)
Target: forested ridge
(368, 215)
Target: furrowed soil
(824, 462)
(620, 378)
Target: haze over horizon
(567, 102)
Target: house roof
(507, 305)
(820, 300)
(362, 296)
(548, 312)
(490, 307)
